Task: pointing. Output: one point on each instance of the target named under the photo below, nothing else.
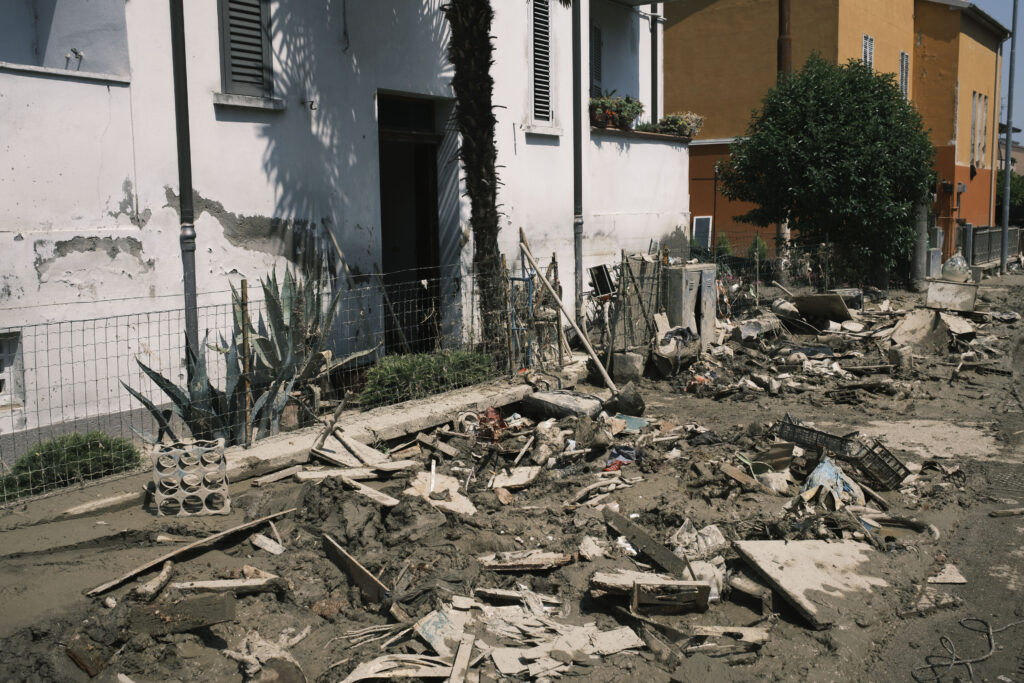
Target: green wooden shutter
(245, 47)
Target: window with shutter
(542, 60)
(245, 47)
(868, 50)
(595, 61)
(905, 75)
(974, 126)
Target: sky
(1002, 11)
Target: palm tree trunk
(471, 53)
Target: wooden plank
(355, 473)
(333, 452)
(1009, 512)
(737, 475)
(371, 493)
(276, 476)
(661, 555)
(267, 543)
(524, 560)
(372, 589)
(438, 445)
(368, 454)
(503, 594)
(516, 478)
(236, 586)
(461, 665)
(149, 590)
(184, 615)
(103, 588)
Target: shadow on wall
(322, 158)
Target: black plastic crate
(791, 429)
(881, 467)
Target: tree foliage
(1016, 198)
(839, 153)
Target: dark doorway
(409, 223)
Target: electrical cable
(939, 665)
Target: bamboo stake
(246, 365)
(586, 342)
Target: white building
(338, 123)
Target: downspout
(187, 217)
(654, 62)
(1004, 247)
(577, 155)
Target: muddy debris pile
(816, 347)
(552, 538)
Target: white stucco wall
(88, 221)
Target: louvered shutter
(868, 50)
(245, 47)
(595, 61)
(541, 60)
(905, 75)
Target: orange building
(720, 60)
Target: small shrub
(418, 375)
(723, 247)
(758, 248)
(66, 460)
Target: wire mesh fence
(83, 399)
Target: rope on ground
(939, 665)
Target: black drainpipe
(654, 63)
(577, 155)
(188, 230)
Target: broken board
(372, 589)
(814, 576)
(184, 615)
(516, 478)
(524, 560)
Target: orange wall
(721, 55)
(977, 71)
(889, 22)
(705, 201)
(935, 69)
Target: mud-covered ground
(425, 556)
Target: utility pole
(187, 216)
(785, 68)
(1008, 149)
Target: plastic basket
(791, 429)
(881, 467)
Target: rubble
(713, 517)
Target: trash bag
(837, 488)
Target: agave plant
(288, 352)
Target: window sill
(109, 79)
(223, 99)
(542, 129)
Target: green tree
(722, 246)
(837, 152)
(1016, 198)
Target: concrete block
(627, 367)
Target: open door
(409, 223)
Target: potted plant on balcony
(683, 124)
(603, 110)
(628, 110)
